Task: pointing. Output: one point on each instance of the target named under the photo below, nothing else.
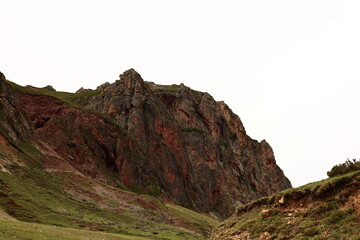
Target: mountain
(329, 209)
(166, 140)
(123, 157)
(55, 178)
(194, 148)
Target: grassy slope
(191, 219)
(30, 194)
(322, 210)
(24, 231)
(63, 96)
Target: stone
(103, 86)
(264, 211)
(83, 90)
(265, 235)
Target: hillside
(167, 141)
(136, 160)
(54, 193)
(125, 159)
(329, 209)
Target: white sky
(289, 69)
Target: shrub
(348, 166)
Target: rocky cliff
(168, 141)
(196, 149)
(14, 122)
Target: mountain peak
(130, 77)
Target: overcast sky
(289, 69)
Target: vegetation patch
(311, 231)
(11, 229)
(151, 188)
(348, 166)
(192, 220)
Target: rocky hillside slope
(329, 209)
(167, 141)
(42, 179)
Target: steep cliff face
(193, 148)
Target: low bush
(348, 166)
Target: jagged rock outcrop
(14, 123)
(196, 149)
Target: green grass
(151, 188)
(39, 200)
(192, 219)
(69, 98)
(10, 229)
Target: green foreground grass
(38, 200)
(11, 229)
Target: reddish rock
(196, 148)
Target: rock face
(14, 123)
(169, 141)
(196, 149)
